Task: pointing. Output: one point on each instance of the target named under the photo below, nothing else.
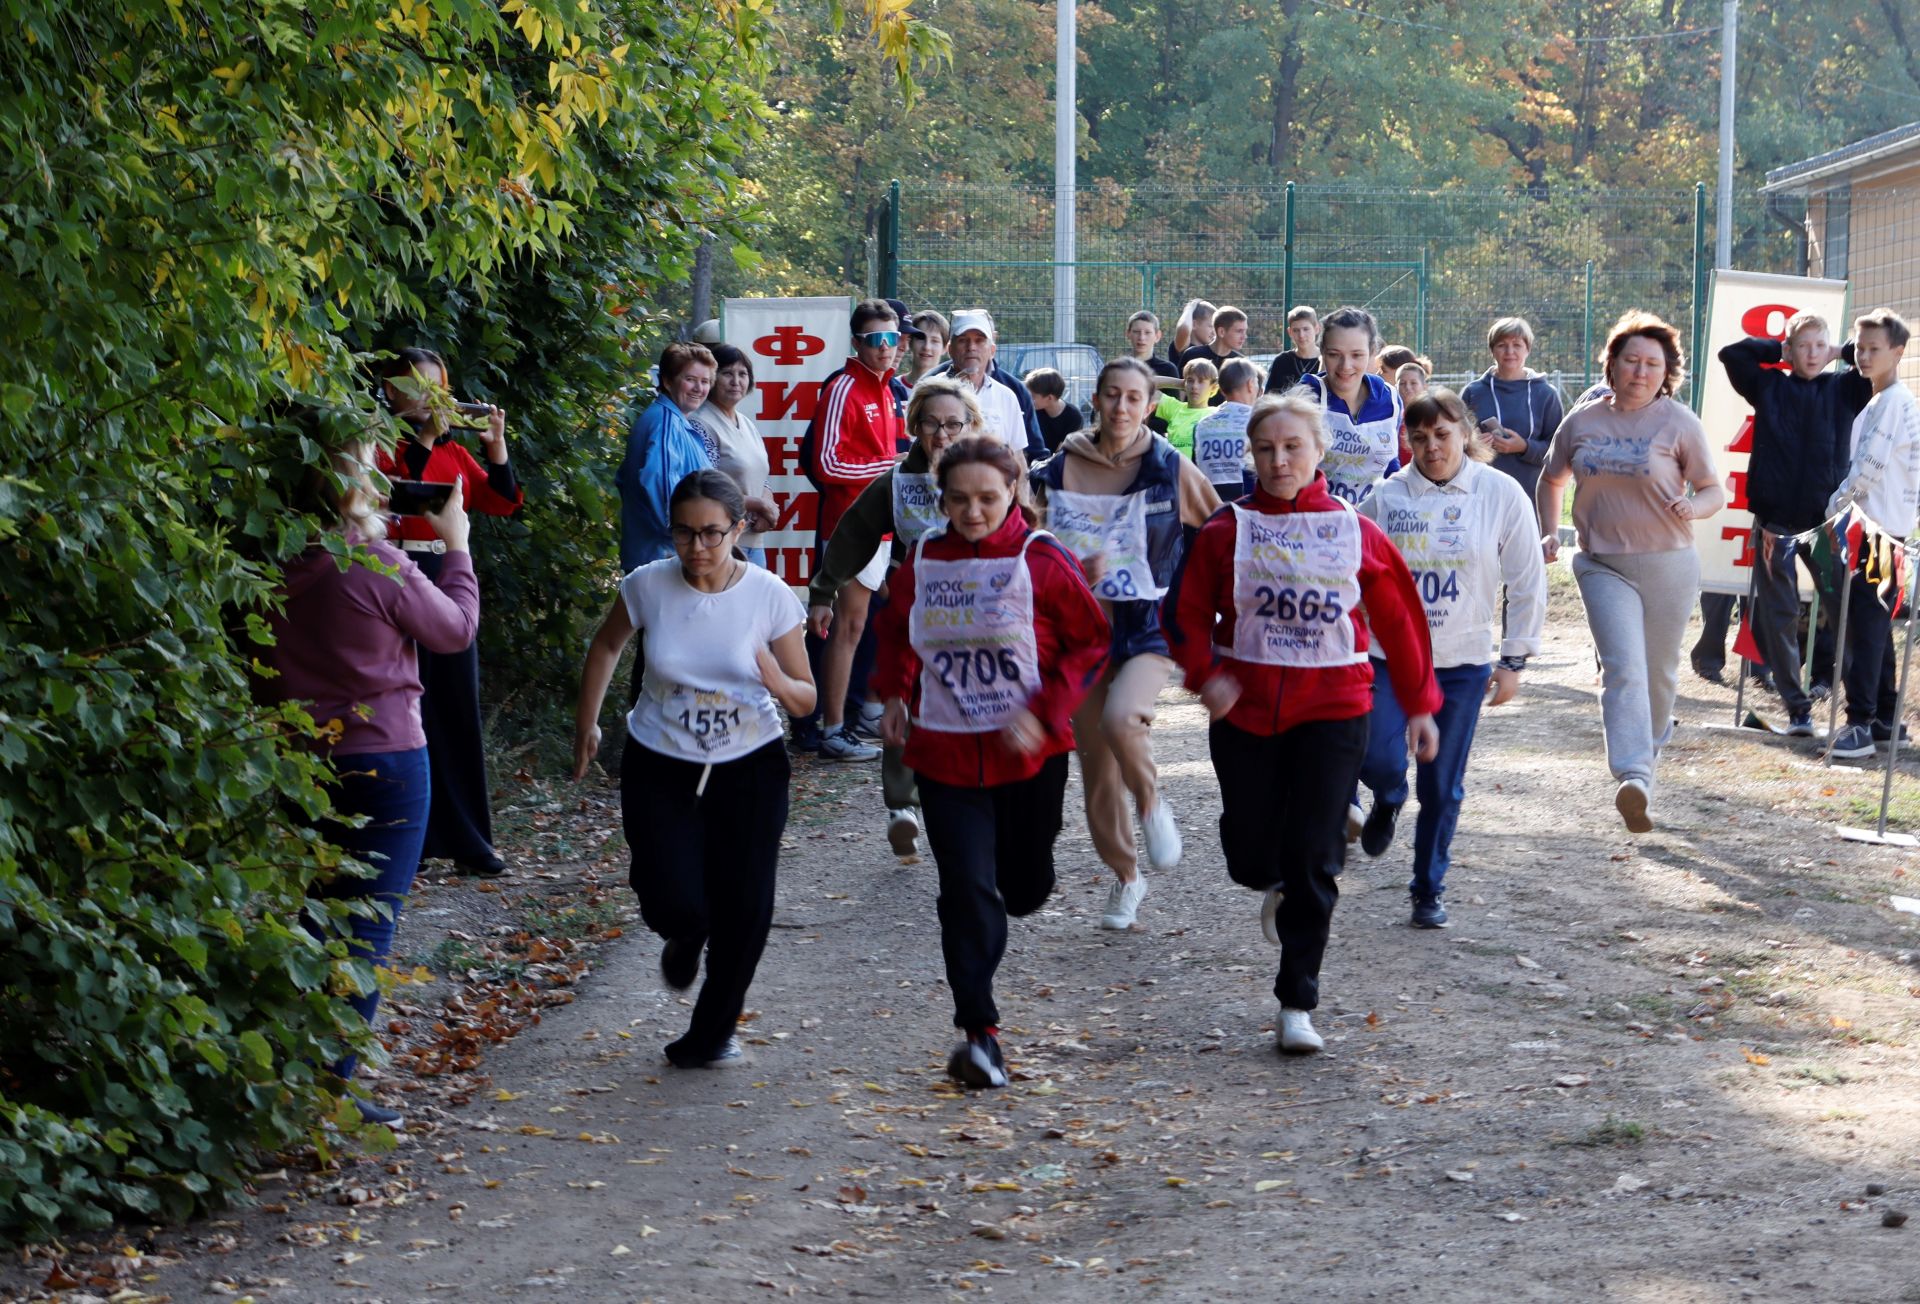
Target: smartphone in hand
(476, 415)
(417, 497)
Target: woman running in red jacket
(994, 639)
(1284, 677)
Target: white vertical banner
(1743, 304)
(796, 346)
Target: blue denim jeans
(392, 790)
(1441, 782)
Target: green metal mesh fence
(1436, 267)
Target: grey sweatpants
(1637, 609)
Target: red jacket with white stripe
(1071, 637)
(857, 433)
(1198, 617)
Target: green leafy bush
(211, 213)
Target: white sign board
(1743, 304)
(796, 346)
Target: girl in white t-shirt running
(703, 781)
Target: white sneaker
(903, 833)
(1162, 836)
(1123, 903)
(1297, 1034)
(1270, 913)
(1631, 802)
(1356, 821)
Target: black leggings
(994, 847)
(703, 867)
(1283, 823)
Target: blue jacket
(663, 448)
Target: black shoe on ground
(1800, 726)
(1428, 912)
(1884, 733)
(683, 1056)
(1707, 671)
(1764, 678)
(680, 961)
(380, 1117)
(1376, 835)
(1820, 691)
(806, 738)
(488, 866)
(977, 1062)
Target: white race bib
(1296, 578)
(916, 507)
(1113, 526)
(1434, 533)
(972, 628)
(1357, 456)
(698, 722)
(1220, 444)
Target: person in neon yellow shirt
(1197, 380)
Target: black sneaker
(486, 866)
(1428, 912)
(683, 1056)
(806, 738)
(1820, 691)
(380, 1117)
(1800, 726)
(977, 1062)
(1884, 733)
(1376, 835)
(680, 962)
(1708, 671)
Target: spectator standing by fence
(1523, 406)
(1303, 359)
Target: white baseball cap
(972, 319)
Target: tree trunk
(1286, 90)
(702, 283)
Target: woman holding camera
(460, 825)
(349, 646)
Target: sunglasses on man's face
(879, 339)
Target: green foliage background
(210, 214)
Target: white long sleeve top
(1463, 540)
(1883, 480)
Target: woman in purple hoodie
(344, 648)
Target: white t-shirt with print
(702, 698)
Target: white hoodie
(1462, 540)
(1884, 479)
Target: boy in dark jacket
(1802, 419)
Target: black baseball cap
(907, 327)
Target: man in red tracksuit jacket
(854, 438)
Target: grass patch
(1613, 1132)
(454, 958)
(1903, 810)
(572, 922)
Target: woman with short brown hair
(1645, 475)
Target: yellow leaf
(1178, 1181)
(531, 26)
(504, 1095)
(619, 53)
(528, 1129)
(1754, 1057)
(1268, 1185)
(422, 19)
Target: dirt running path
(1655, 1069)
